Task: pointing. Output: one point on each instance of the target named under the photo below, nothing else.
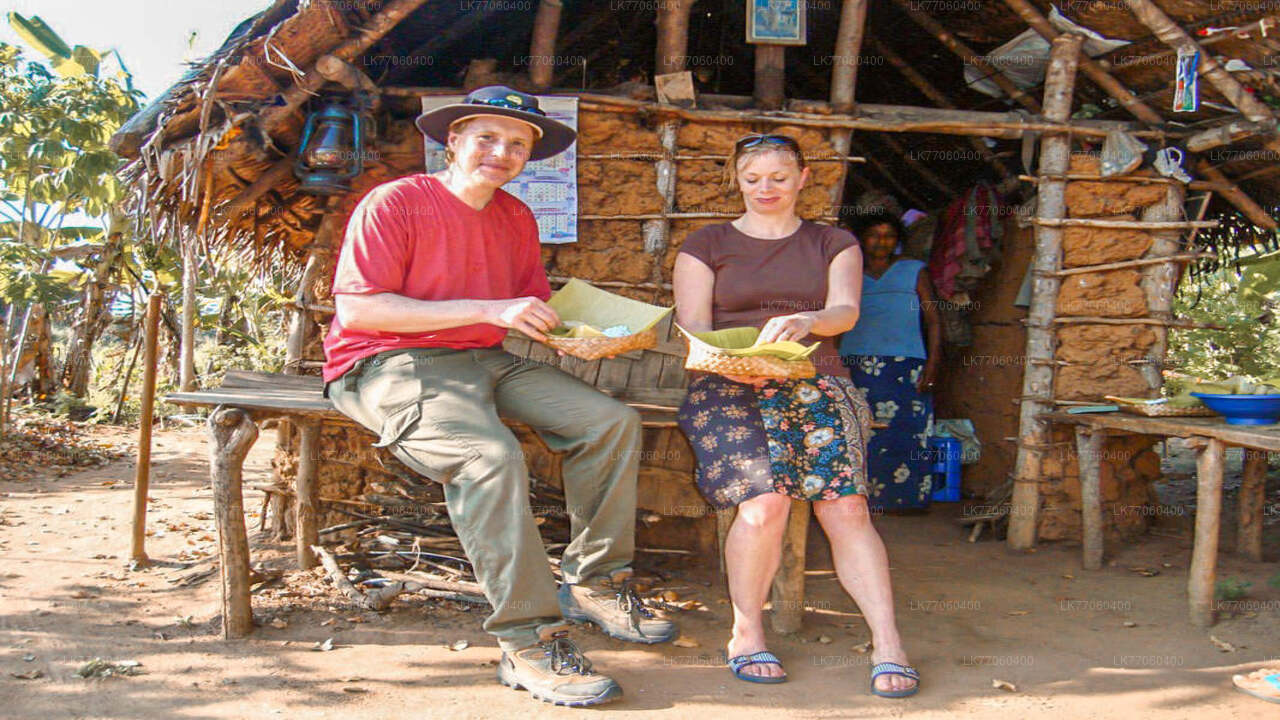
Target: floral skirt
(898, 474)
(802, 438)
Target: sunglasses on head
(751, 141)
(505, 103)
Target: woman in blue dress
(888, 360)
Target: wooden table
(1209, 436)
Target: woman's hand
(786, 327)
(756, 380)
(928, 377)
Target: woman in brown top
(761, 442)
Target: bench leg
(1089, 458)
(307, 494)
(1204, 554)
(1252, 498)
(724, 521)
(788, 583)
(232, 433)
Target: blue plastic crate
(946, 468)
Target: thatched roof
(235, 115)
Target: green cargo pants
(436, 409)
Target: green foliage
(1250, 342)
(1231, 589)
(54, 132)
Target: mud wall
(984, 381)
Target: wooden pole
(967, 54)
(546, 24)
(788, 582)
(5, 389)
(232, 433)
(673, 36)
(1037, 379)
(770, 78)
(307, 491)
(1130, 102)
(1204, 554)
(142, 471)
(844, 83)
(1234, 195)
(844, 68)
(1253, 496)
(1089, 459)
(1160, 282)
(187, 356)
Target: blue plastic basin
(1243, 409)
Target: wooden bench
(247, 398)
(1210, 436)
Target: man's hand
(786, 327)
(529, 315)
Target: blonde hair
(791, 147)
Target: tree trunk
(92, 320)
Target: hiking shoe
(556, 671)
(615, 607)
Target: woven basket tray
(1166, 411)
(700, 358)
(598, 347)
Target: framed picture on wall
(776, 22)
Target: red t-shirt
(413, 237)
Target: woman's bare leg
(752, 551)
(863, 568)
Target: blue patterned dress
(803, 438)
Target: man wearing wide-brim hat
(434, 269)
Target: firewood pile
(406, 544)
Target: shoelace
(630, 602)
(565, 654)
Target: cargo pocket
(394, 427)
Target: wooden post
(724, 521)
(1037, 378)
(232, 433)
(1159, 282)
(307, 491)
(1089, 458)
(5, 389)
(1253, 497)
(1204, 554)
(844, 83)
(142, 472)
(673, 36)
(771, 61)
(543, 48)
(788, 582)
(187, 356)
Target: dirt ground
(1113, 643)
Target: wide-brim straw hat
(554, 136)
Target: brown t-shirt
(757, 279)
